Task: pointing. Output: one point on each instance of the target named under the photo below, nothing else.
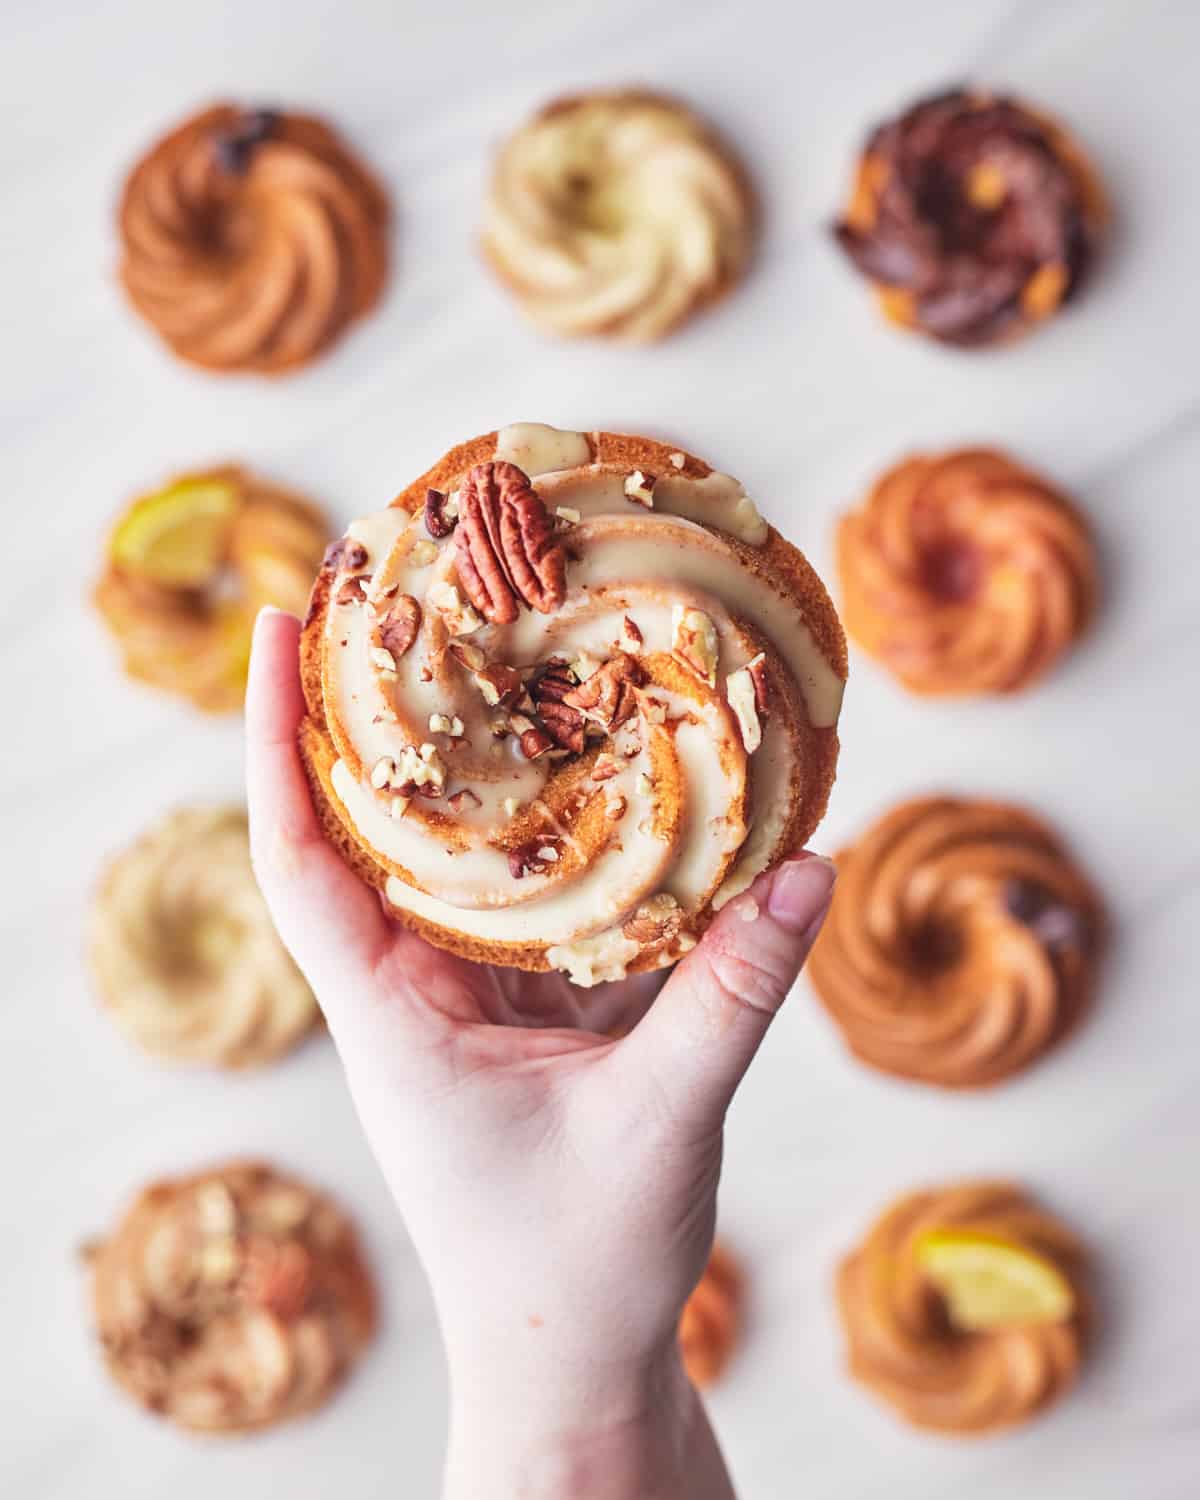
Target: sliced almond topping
(422, 553)
(382, 772)
(511, 807)
(568, 514)
(677, 460)
(382, 658)
(399, 806)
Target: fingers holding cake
(554, 710)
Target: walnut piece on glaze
(508, 550)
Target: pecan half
(563, 723)
(398, 629)
(607, 697)
(508, 552)
(439, 521)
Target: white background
(794, 386)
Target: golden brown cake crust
(901, 1345)
(961, 944)
(776, 559)
(231, 1299)
(251, 239)
(965, 573)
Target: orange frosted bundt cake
(251, 238)
(961, 943)
(964, 1308)
(966, 574)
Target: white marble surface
(795, 387)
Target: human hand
(558, 1184)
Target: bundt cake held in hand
(566, 697)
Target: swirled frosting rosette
(184, 952)
(961, 944)
(964, 1308)
(251, 238)
(617, 213)
(566, 696)
(232, 1299)
(975, 217)
(966, 574)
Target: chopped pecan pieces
(535, 742)
(440, 516)
(656, 922)
(563, 723)
(607, 697)
(465, 797)
(468, 655)
(694, 641)
(351, 592)
(639, 487)
(746, 692)
(508, 552)
(499, 684)
(398, 628)
(354, 556)
(527, 859)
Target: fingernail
(801, 892)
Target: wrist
(555, 1429)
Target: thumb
(698, 1038)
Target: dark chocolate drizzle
(966, 265)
